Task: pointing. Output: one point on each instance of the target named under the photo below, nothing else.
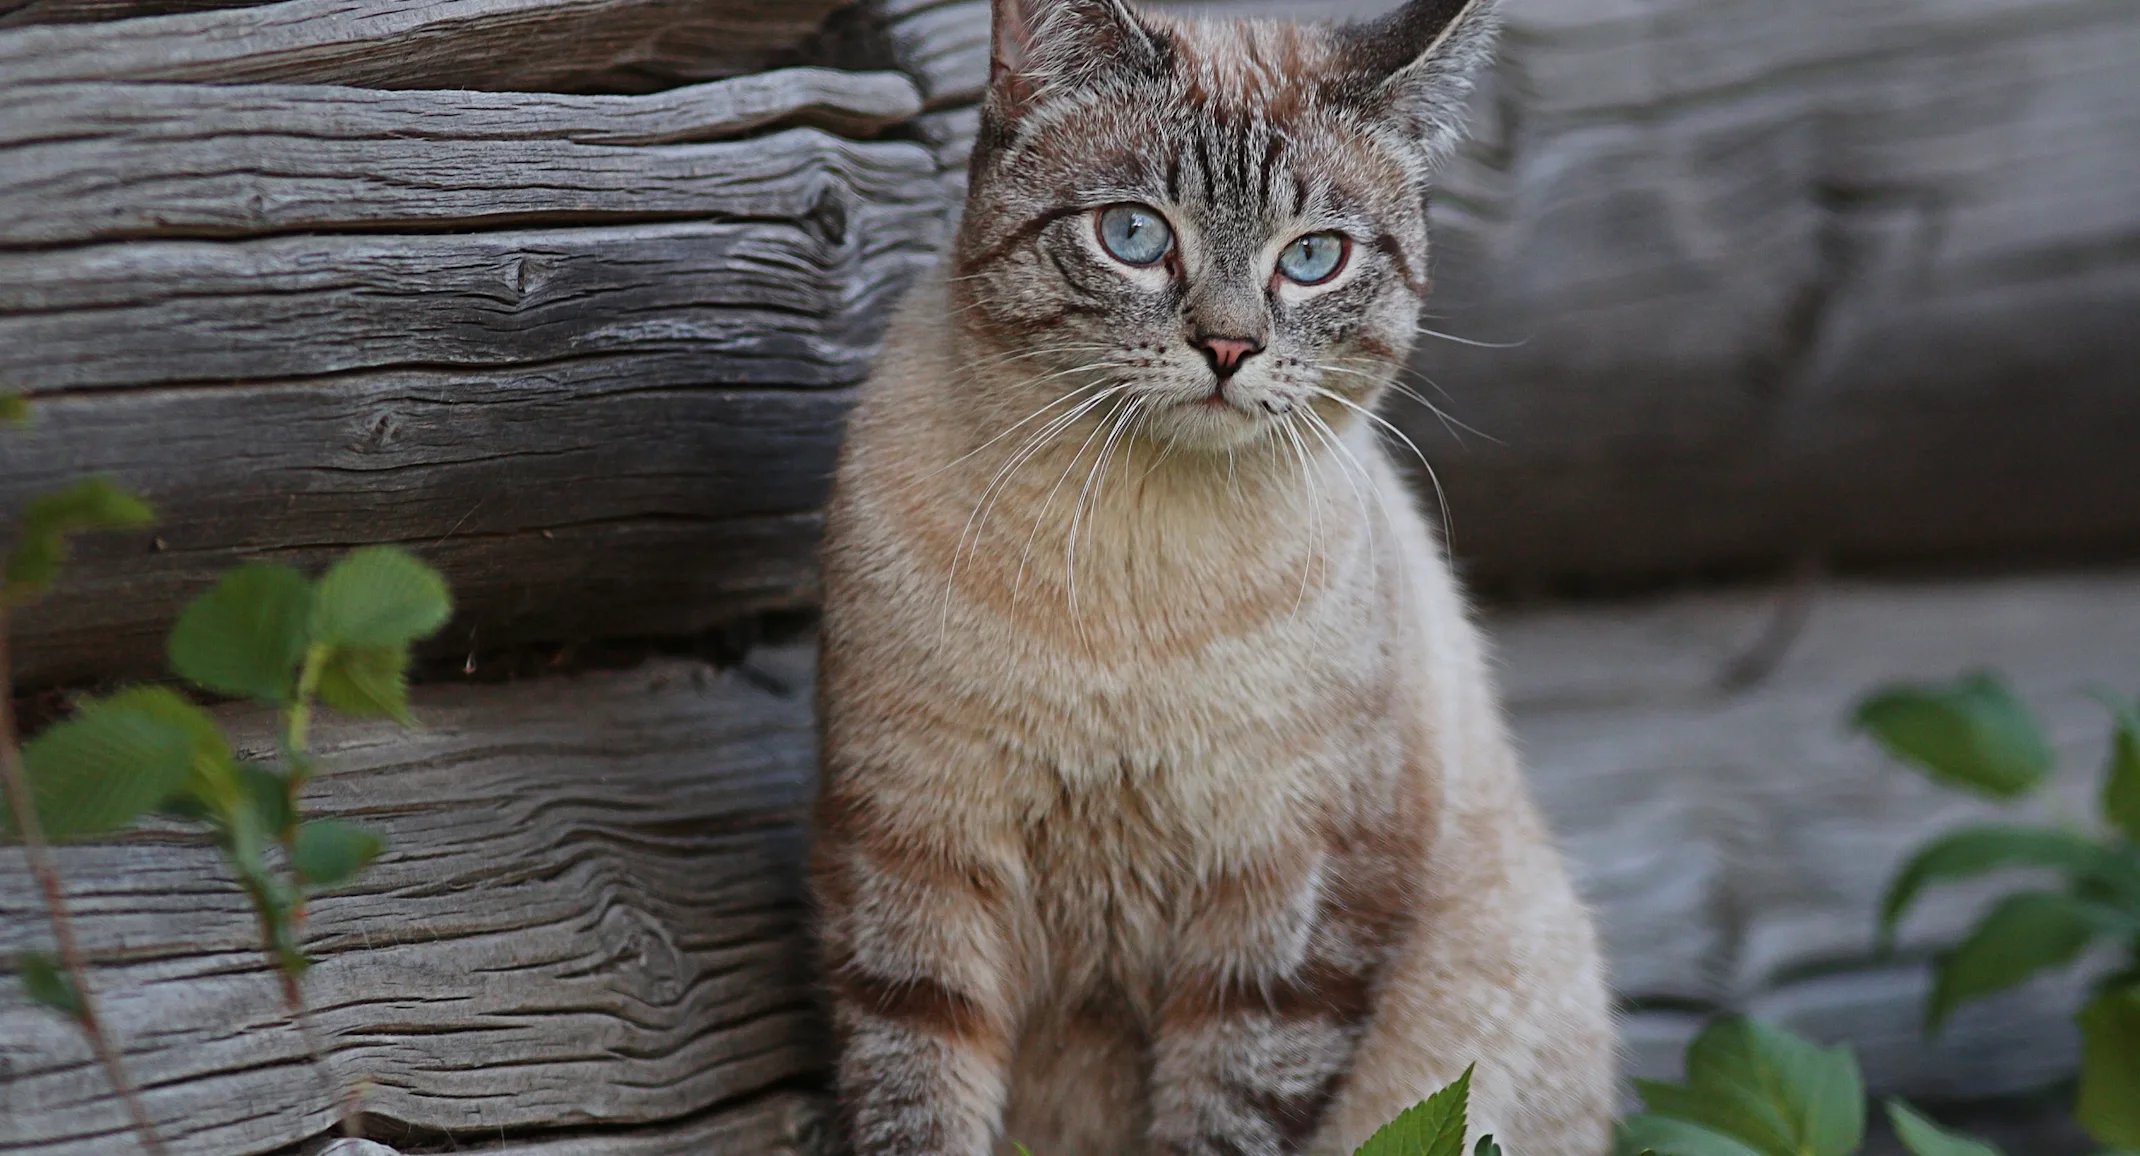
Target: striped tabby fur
(1167, 807)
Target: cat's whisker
(1348, 464)
(1456, 427)
(1040, 516)
(1077, 512)
(1471, 341)
(1441, 496)
(1015, 461)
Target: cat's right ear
(1039, 45)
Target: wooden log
(104, 161)
(590, 915)
(631, 495)
(769, 302)
(494, 45)
(1737, 841)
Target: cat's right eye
(1134, 234)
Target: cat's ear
(1417, 65)
(1039, 45)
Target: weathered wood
(1737, 842)
(597, 497)
(18, 12)
(590, 914)
(496, 45)
(769, 302)
(105, 161)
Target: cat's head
(1214, 220)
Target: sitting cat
(1167, 805)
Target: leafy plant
(1973, 734)
(27, 571)
(264, 632)
(1754, 1089)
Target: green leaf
(1433, 1127)
(14, 409)
(95, 503)
(2110, 1067)
(244, 637)
(331, 851)
(267, 795)
(1765, 1089)
(2024, 933)
(49, 984)
(379, 596)
(115, 760)
(1974, 851)
(1971, 733)
(1665, 1136)
(371, 681)
(2121, 780)
(1486, 1147)
(1924, 1138)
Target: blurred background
(1782, 351)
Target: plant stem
(297, 727)
(39, 853)
(293, 997)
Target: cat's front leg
(1252, 1045)
(915, 956)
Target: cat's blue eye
(1313, 259)
(1135, 234)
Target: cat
(1167, 806)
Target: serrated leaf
(379, 596)
(94, 503)
(1433, 1127)
(113, 762)
(2024, 933)
(48, 983)
(1767, 1090)
(1971, 733)
(1653, 1135)
(244, 637)
(330, 851)
(1975, 851)
(2109, 1105)
(14, 409)
(1924, 1138)
(211, 786)
(372, 682)
(2121, 779)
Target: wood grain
(494, 45)
(590, 915)
(105, 161)
(1737, 842)
(597, 497)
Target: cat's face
(1218, 228)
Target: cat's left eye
(1314, 259)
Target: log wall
(571, 297)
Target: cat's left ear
(1417, 66)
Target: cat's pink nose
(1227, 353)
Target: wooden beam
(590, 916)
(102, 161)
(626, 495)
(494, 45)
